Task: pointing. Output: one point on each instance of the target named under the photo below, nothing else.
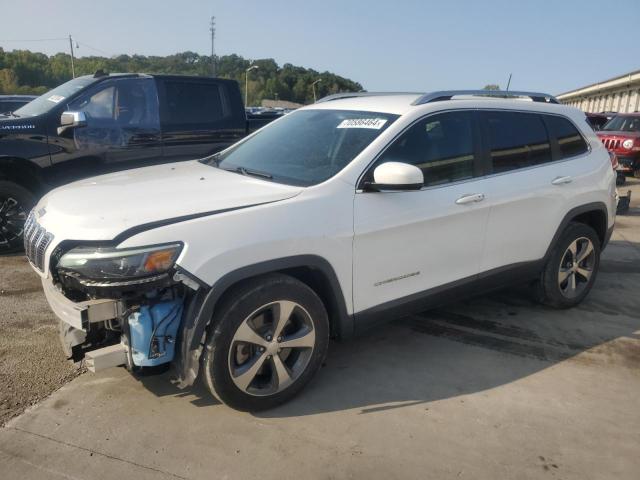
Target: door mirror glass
(396, 176)
(71, 120)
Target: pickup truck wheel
(15, 203)
(572, 267)
(270, 337)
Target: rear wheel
(269, 339)
(15, 204)
(572, 267)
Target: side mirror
(395, 176)
(70, 120)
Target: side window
(516, 140)
(136, 104)
(193, 103)
(570, 142)
(121, 103)
(97, 105)
(440, 145)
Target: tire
(243, 358)
(621, 178)
(564, 282)
(636, 173)
(15, 204)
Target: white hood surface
(102, 207)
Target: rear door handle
(561, 180)
(471, 198)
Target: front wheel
(268, 340)
(571, 268)
(15, 203)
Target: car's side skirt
(448, 293)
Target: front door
(408, 243)
(122, 130)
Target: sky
(399, 45)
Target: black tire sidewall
(551, 290)
(24, 197)
(238, 305)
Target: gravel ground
(32, 364)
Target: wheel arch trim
(576, 212)
(199, 316)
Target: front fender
(201, 307)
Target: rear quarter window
(570, 141)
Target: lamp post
(246, 84)
(313, 86)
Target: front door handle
(471, 198)
(561, 180)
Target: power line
(36, 39)
(93, 48)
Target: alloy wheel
(576, 267)
(12, 219)
(271, 348)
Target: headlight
(114, 265)
(628, 144)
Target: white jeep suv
(358, 209)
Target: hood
(103, 207)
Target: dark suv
(102, 123)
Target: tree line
(26, 72)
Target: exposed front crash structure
(119, 305)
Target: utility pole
(509, 82)
(73, 68)
(212, 29)
(246, 84)
(313, 86)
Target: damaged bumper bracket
(80, 314)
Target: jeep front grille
(36, 241)
(611, 143)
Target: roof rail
(338, 96)
(449, 94)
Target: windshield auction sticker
(55, 98)
(372, 123)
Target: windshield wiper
(211, 159)
(249, 172)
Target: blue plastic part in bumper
(153, 332)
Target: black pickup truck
(103, 123)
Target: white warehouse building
(619, 94)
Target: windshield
(624, 123)
(46, 102)
(305, 147)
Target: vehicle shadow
(468, 347)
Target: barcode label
(372, 123)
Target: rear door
(532, 159)
(408, 243)
(199, 116)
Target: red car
(621, 135)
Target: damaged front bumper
(140, 329)
(80, 314)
